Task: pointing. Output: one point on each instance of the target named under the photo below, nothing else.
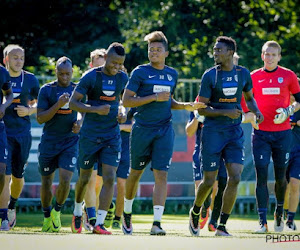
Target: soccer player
(17, 123)
(59, 142)
(150, 89)
(272, 86)
(222, 87)
(6, 90)
(100, 139)
(91, 197)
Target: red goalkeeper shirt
(272, 91)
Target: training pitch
(27, 235)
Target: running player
(150, 89)
(222, 136)
(91, 197)
(100, 139)
(272, 86)
(6, 91)
(17, 123)
(58, 147)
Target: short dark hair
(229, 42)
(63, 60)
(157, 36)
(117, 48)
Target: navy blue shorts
(3, 144)
(101, 150)
(276, 144)
(123, 168)
(294, 163)
(18, 153)
(151, 144)
(198, 172)
(57, 154)
(227, 144)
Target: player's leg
(89, 213)
(46, 200)
(286, 201)
(280, 154)
(293, 202)
(20, 149)
(98, 187)
(261, 144)
(119, 203)
(2, 175)
(234, 171)
(4, 198)
(62, 193)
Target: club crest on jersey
(236, 78)
(280, 79)
(170, 78)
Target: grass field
(27, 235)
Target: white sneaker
(155, 230)
(12, 217)
(291, 226)
(4, 226)
(278, 223)
(262, 230)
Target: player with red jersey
(272, 86)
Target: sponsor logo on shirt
(228, 100)
(229, 91)
(161, 88)
(16, 101)
(64, 111)
(108, 98)
(108, 92)
(271, 91)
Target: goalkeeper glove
(283, 114)
(200, 118)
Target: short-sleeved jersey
(224, 89)
(5, 83)
(101, 89)
(60, 126)
(146, 80)
(25, 88)
(272, 91)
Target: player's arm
(25, 111)
(7, 101)
(77, 105)
(131, 100)
(44, 115)
(78, 123)
(252, 106)
(212, 112)
(191, 127)
(189, 106)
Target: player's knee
(208, 182)
(234, 180)
(65, 180)
(281, 182)
(109, 179)
(46, 182)
(2, 170)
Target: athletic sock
(158, 212)
(12, 203)
(290, 216)
(223, 218)
(117, 218)
(91, 213)
(47, 211)
(58, 207)
(78, 209)
(262, 212)
(279, 208)
(101, 217)
(128, 206)
(196, 209)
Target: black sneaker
(291, 226)
(126, 224)
(221, 231)
(194, 226)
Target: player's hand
(2, 111)
(200, 118)
(22, 110)
(63, 99)
(233, 113)
(121, 117)
(259, 117)
(102, 109)
(191, 106)
(76, 127)
(163, 96)
(283, 114)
